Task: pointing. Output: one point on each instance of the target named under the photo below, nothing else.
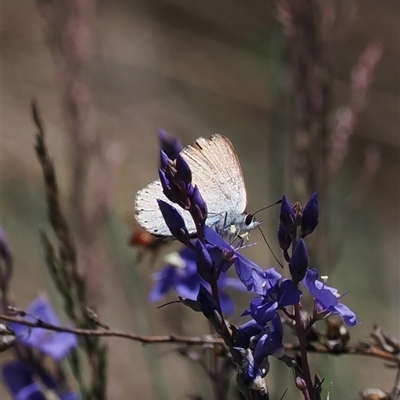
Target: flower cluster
(200, 276)
(25, 377)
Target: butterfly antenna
(167, 304)
(270, 248)
(271, 205)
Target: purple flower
(255, 363)
(277, 294)
(270, 343)
(18, 378)
(181, 275)
(299, 262)
(246, 333)
(55, 385)
(55, 344)
(309, 220)
(327, 298)
(248, 272)
(69, 396)
(169, 144)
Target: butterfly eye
(249, 219)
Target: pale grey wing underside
(217, 173)
(149, 215)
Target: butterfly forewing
(217, 173)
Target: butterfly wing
(148, 214)
(217, 173)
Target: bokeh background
(194, 69)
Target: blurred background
(306, 109)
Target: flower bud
(198, 207)
(174, 221)
(164, 160)
(204, 262)
(170, 190)
(299, 262)
(309, 220)
(207, 302)
(183, 171)
(170, 145)
(287, 215)
(284, 238)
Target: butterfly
(218, 175)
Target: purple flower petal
(19, 379)
(289, 295)
(166, 280)
(70, 396)
(248, 272)
(270, 344)
(326, 298)
(55, 344)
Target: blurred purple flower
(18, 378)
(327, 298)
(181, 275)
(70, 396)
(54, 385)
(55, 344)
